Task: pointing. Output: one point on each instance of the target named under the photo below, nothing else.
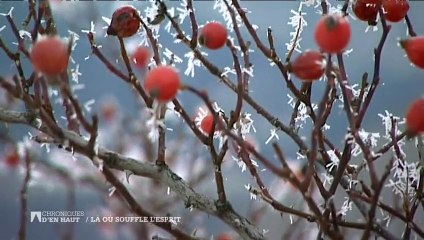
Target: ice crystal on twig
(298, 22)
(346, 207)
(221, 7)
(107, 21)
(328, 179)
(183, 12)
(273, 135)
(248, 71)
(240, 163)
(334, 160)
(23, 34)
(192, 62)
(246, 124)
(87, 105)
(153, 124)
(9, 13)
(370, 139)
(92, 28)
(99, 162)
(75, 73)
(352, 182)
(252, 191)
(111, 191)
(405, 177)
(171, 56)
(228, 70)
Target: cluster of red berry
(367, 10)
(332, 34)
(49, 56)
(163, 82)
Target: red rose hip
(49, 55)
(125, 22)
(332, 33)
(11, 157)
(365, 11)
(206, 124)
(162, 83)
(415, 117)
(141, 57)
(414, 48)
(213, 35)
(395, 10)
(309, 65)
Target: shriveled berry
(125, 22)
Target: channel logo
(35, 215)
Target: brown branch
(162, 174)
(388, 146)
(244, 46)
(20, 40)
(133, 81)
(240, 87)
(219, 180)
(296, 37)
(419, 193)
(267, 52)
(137, 209)
(376, 75)
(218, 73)
(411, 31)
(24, 198)
(375, 200)
(194, 26)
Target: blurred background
(400, 84)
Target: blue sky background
(401, 83)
